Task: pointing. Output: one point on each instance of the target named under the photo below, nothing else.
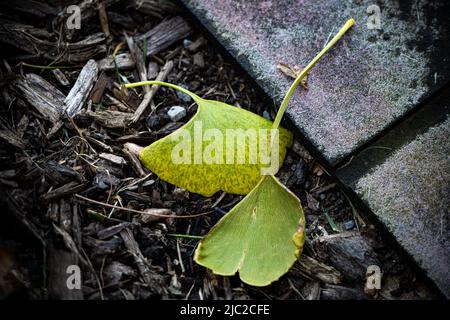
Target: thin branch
(141, 212)
(148, 97)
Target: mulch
(73, 193)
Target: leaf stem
(166, 84)
(305, 71)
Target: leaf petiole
(305, 71)
(166, 84)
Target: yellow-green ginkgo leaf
(261, 237)
(222, 147)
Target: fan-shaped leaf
(221, 148)
(261, 237)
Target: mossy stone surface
(409, 193)
(368, 81)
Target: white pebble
(176, 113)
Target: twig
(96, 276)
(135, 183)
(142, 212)
(103, 19)
(98, 143)
(219, 199)
(148, 97)
(133, 248)
(295, 289)
(135, 163)
(138, 58)
(189, 292)
(187, 236)
(180, 258)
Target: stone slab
(371, 79)
(404, 178)
(410, 194)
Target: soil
(52, 169)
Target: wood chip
(198, 60)
(111, 119)
(313, 204)
(113, 230)
(148, 216)
(42, 95)
(8, 174)
(155, 8)
(61, 77)
(141, 262)
(334, 292)
(22, 126)
(65, 215)
(36, 42)
(77, 96)
(99, 88)
(103, 17)
(197, 44)
(122, 61)
(98, 143)
(119, 161)
(152, 70)
(351, 256)
(318, 270)
(70, 244)
(11, 138)
(165, 34)
(138, 58)
(135, 163)
(65, 190)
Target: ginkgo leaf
(261, 237)
(221, 148)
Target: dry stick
(141, 212)
(98, 143)
(70, 244)
(135, 163)
(103, 19)
(138, 59)
(149, 95)
(133, 248)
